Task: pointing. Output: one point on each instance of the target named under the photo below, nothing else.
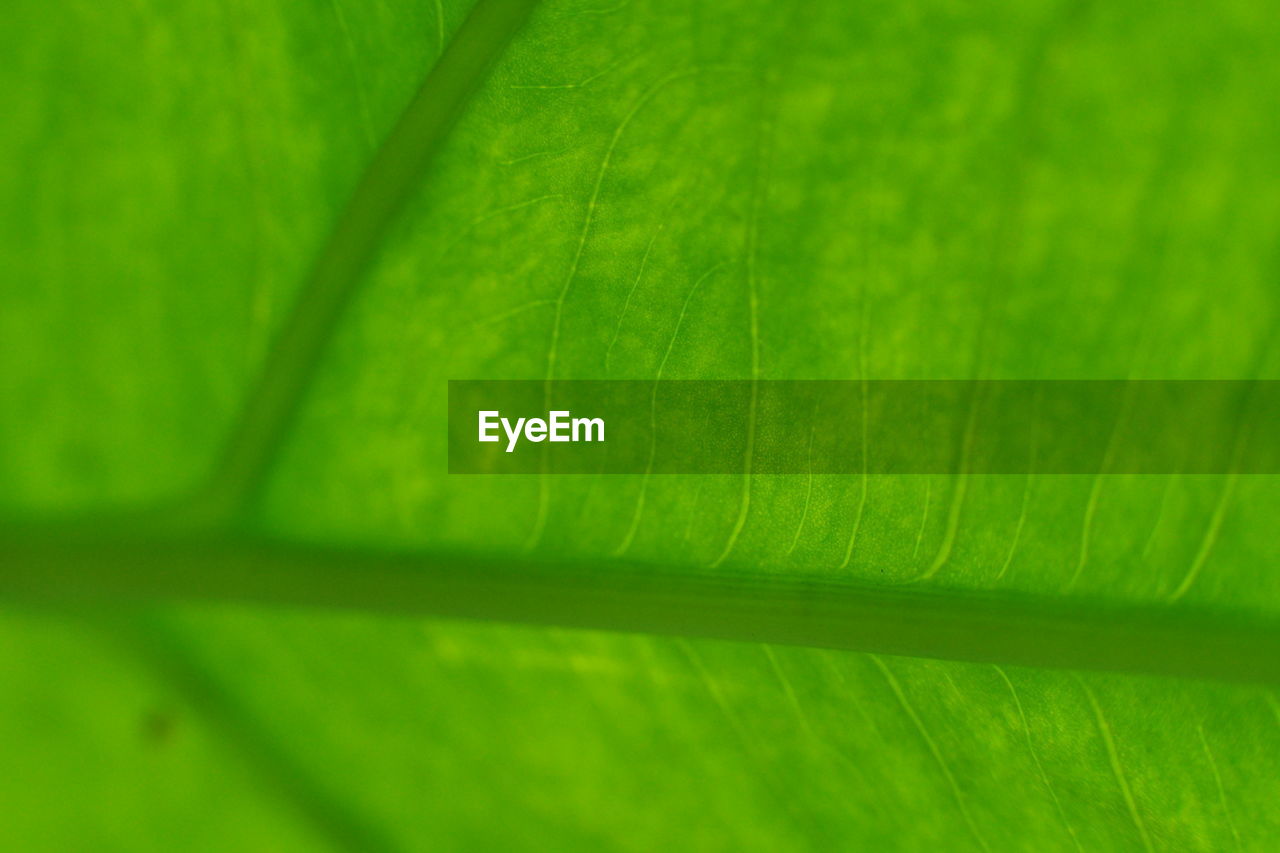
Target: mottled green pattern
(732, 189)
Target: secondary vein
(393, 174)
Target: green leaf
(246, 245)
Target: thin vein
(1214, 530)
(1211, 534)
(767, 775)
(358, 76)
(631, 291)
(550, 152)
(1017, 530)
(862, 494)
(589, 217)
(808, 486)
(1222, 790)
(692, 512)
(540, 519)
(1032, 455)
(503, 316)
(1095, 488)
(1165, 496)
(490, 215)
(914, 716)
(1031, 79)
(958, 496)
(924, 517)
(753, 304)
(586, 81)
(629, 538)
(439, 27)
(1035, 756)
(1104, 729)
(863, 332)
(793, 699)
(713, 688)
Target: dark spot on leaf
(158, 726)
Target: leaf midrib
(913, 620)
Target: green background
(729, 189)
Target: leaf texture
(734, 189)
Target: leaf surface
(723, 190)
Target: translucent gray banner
(873, 427)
